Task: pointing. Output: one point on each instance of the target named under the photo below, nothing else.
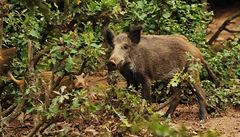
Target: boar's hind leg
(175, 101)
(201, 100)
(197, 89)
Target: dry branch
(16, 112)
(44, 124)
(8, 110)
(1, 123)
(1, 42)
(1, 32)
(168, 101)
(222, 27)
(49, 123)
(40, 54)
(30, 57)
(1, 22)
(36, 128)
(232, 31)
(29, 79)
(19, 83)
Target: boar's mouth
(112, 66)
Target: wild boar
(142, 59)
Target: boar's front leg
(134, 84)
(146, 89)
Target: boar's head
(121, 46)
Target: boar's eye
(125, 46)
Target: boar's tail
(210, 72)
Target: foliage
(67, 38)
(83, 41)
(226, 65)
(125, 113)
(174, 17)
(136, 116)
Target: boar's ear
(108, 36)
(135, 34)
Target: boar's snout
(111, 65)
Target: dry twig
(223, 27)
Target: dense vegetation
(67, 39)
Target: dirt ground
(227, 125)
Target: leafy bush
(66, 37)
(167, 17)
(226, 65)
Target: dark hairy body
(142, 59)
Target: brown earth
(227, 125)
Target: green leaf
(73, 51)
(123, 119)
(69, 64)
(34, 34)
(61, 99)
(166, 15)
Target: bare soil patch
(227, 124)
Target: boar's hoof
(202, 121)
